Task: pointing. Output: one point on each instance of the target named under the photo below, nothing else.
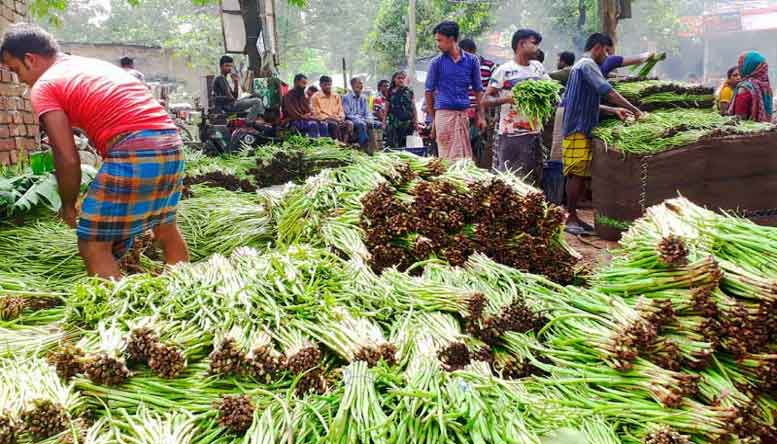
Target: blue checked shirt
(451, 81)
(356, 108)
(584, 93)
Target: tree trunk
(253, 26)
(608, 18)
(411, 44)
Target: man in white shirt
(518, 147)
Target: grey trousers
(521, 155)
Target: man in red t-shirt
(139, 183)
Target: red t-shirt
(743, 104)
(101, 99)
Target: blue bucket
(553, 181)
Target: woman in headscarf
(753, 96)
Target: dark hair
(354, 79)
(598, 38)
(126, 61)
(299, 77)
(468, 45)
(448, 29)
(540, 57)
(24, 38)
(312, 88)
(226, 59)
(383, 82)
(325, 79)
(394, 76)
(567, 57)
(525, 34)
(732, 71)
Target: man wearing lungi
(139, 183)
(450, 77)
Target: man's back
(98, 97)
(582, 98)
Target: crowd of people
(471, 114)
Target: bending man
(139, 183)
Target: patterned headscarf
(755, 79)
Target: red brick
(5, 117)
(9, 103)
(7, 89)
(25, 143)
(18, 130)
(14, 156)
(3, 103)
(5, 75)
(32, 130)
(5, 158)
(27, 105)
(7, 144)
(16, 117)
(28, 118)
(5, 132)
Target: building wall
(155, 63)
(18, 127)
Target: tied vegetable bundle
(668, 129)
(537, 100)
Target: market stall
(683, 146)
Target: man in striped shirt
(582, 104)
(480, 140)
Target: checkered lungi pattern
(577, 155)
(137, 188)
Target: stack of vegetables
(668, 129)
(650, 95)
(396, 210)
(300, 338)
(296, 159)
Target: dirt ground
(595, 251)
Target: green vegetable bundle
(537, 100)
(667, 129)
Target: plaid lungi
(577, 155)
(136, 189)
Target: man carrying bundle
(582, 103)
(518, 147)
(139, 183)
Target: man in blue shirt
(450, 77)
(357, 111)
(582, 103)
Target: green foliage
(386, 40)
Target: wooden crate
(734, 173)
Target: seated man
(357, 111)
(297, 112)
(328, 108)
(226, 95)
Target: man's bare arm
(491, 98)
(616, 99)
(66, 159)
(429, 95)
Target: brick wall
(18, 128)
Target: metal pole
(411, 44)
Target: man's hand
(623, 113)
(68, 215)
